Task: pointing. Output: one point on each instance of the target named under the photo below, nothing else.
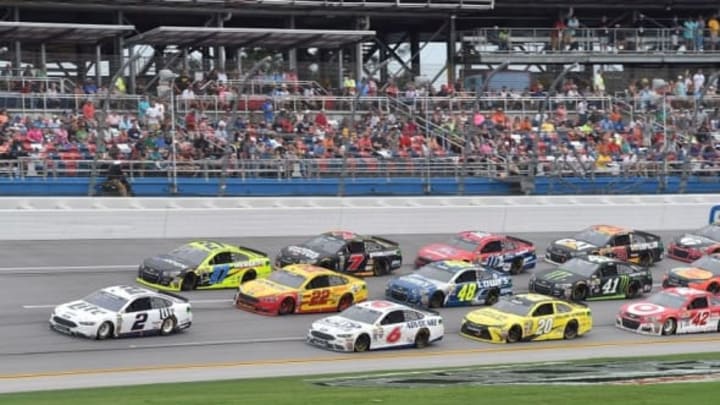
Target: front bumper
(550, 290)
(406, 297)
(634, 325)
(557, 258)
(171, 287)
(683, 254)
(252, 304)
(422, 261)
(482, 333)
(71, 328)
(330, 342)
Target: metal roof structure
(38, 32)
(272, 38)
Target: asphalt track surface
(228, 343)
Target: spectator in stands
(676, 31)
(573, 24)
(90, 87)
(558, 33)
(604, 33)
(689, 33)
(640, 27)
(714, 28)
(700, 33)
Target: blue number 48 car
(450, 283)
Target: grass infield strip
(300, 390)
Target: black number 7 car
(345, 252)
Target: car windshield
(361, 314)
(708, 263)
(461, 243)
(513, 305)
(325, 243)
(190, 255)
(667, 300)
(106, 300)
(593, 237)
(286, 278)
(711, 232)
(580, 266)
(435, 272)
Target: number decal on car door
(140, 320)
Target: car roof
(475, 236)
(341, 234)
(453, 266)
(535, 298)
(308, 270)
(685, 292)
(597, 259)
(208, 245)
(129, 292)
(609, 229)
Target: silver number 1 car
(375, 325)
(122, 311)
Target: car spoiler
(255, 251)
(180, 297)
(386, 241)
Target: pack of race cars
(471, 268)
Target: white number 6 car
(122, 311)
(375, 325)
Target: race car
(526, 317)
(122, 311)
(345, 252)
(300, 288)
(593, 278)
(702, 274)
(448, 284)
(377, 324)
(203, 265)
(692, 246)
(634, 246)
(672, 311)
(506, 253)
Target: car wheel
(633, 290)
(492, 297)
(287, 306)
(104, 331)
(381, 268)
(665, 284)
(646, 260)
(437, 300)
(189, 282)
(168, 326)
(714, 288)
(248, 276)
(579, 293)
(345, 302)
(514, 334)
(362, 343)
(669, 327)
(422, 339)
(571, 330)
(516, 267)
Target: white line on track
(194, 302)
(104, 267)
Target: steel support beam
(451, 44)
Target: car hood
(558, 275)
(301, 253)
(573, 245)
(417, 282)
(166, 263)
(693, 241)
(691, 273)
(337, 324)
(81, 311)
(491, 316)
(263, 288)
(441, 251)
(642, 309)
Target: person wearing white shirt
(698, 81)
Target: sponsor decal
(575, 244)
(299, 250)
(690, 240)
(645, 309)
(557, 275)
(693, 273)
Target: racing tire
(168, 326)
(105, 330)
(633, 290)
(571, 331)
(492, 297)
(514, 334)
(516, 267)
(646, 260)
(669, 327)
(665, 284)
(579, 293)
(381, 268)
(437, 300)
(287, 306)
(345, 302)
(189, 282)
(248, 276)
(362, 343)
(714, 288)
(422, 339)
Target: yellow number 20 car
(526, 317)
(204, 265)
(300, 288)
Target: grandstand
(221, 94)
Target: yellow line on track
(362, 357)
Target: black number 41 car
(345, 252)
(593, 278)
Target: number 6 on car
(375, 325)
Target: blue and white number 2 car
(122, 311)
(373, 325)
